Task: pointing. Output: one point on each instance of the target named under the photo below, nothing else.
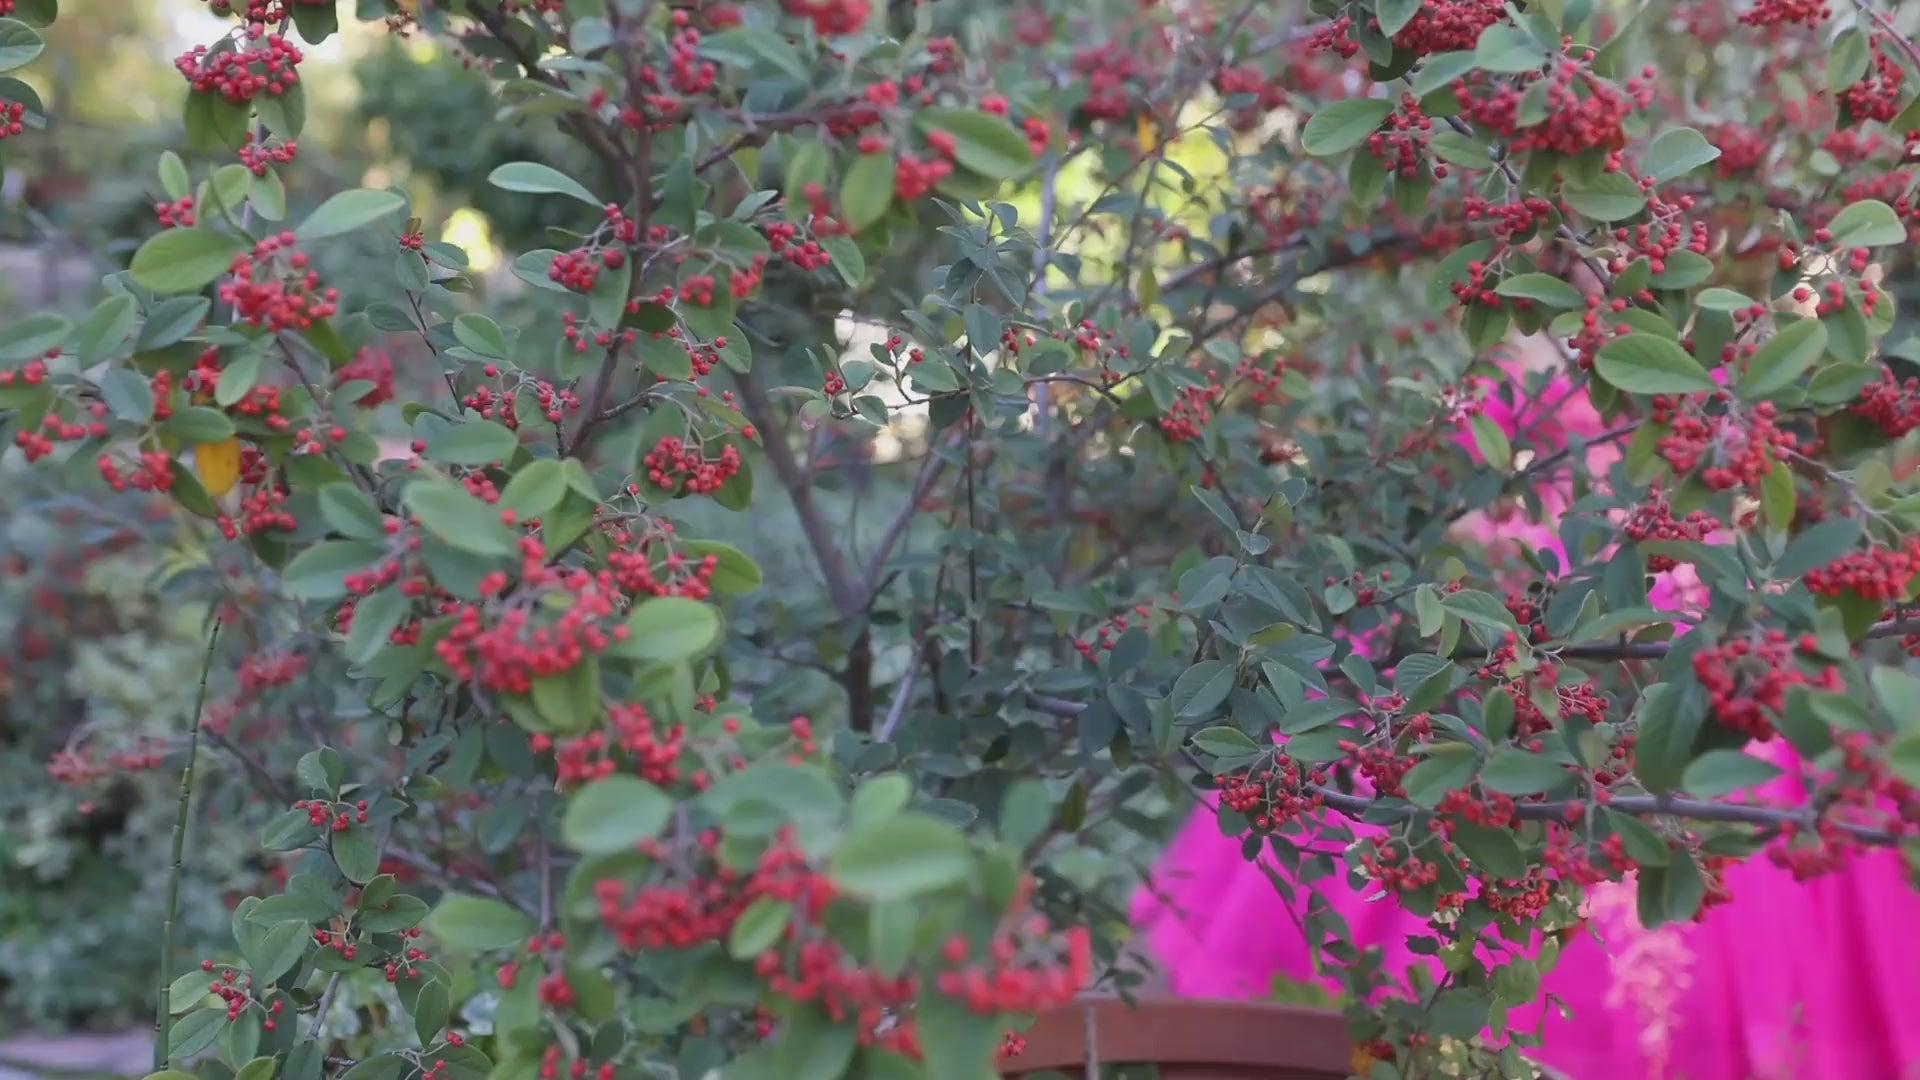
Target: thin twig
(163, 1011)
(899, 706)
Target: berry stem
(163, 1010)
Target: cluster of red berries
(240, 75)
(1783, 12)
(784, 238)
(178, 212)
(79, 767)
(1654, 520)
(1893, 405)
(258, 157)
(1737, 451)
(368, 365)
(1109, 631)
(676, 575)
(31, 373)
(325, 814)
(651, 753)
(509, 648)
(913, 178)
(1441, 26)
(1273, 795)
(1403, 144)
(152, 471)
(830, 18)
(1881, 575)
(54, 430)
(1192, 410)
(499, 404)
(273, 287)
(1584, 112)
(11, 123)
(1877, 95)
(677, 465)
(235, 988)
(1747, 679)
(1394, 865)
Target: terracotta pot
(1192, 1039)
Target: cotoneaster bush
(1210, 310)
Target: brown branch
(1361, 806)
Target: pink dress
(1810, 981)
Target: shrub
(1205, 399)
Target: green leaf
(239, 377)
(1607, 197)
(279, 950)
(190, 991)
(478, 924)
(105, 330)
(320, 770)
(1867, 223)
(1516, 772)
(1491, 441)
(185, 260)
(170, 320)
(1649, 364)
(750, 47)
(1343, 125)
(1509, 50)
(670, 629)
(1782, 359)
(431, 1010)
(194, 1032)
(1394, 15)
(19, 45)
(480, 334)
(808, 1047)
(758, 928)
(457, 518)
(33, 337)
(733, 570)
(1718, 299)
(1201, 688)
(1545, 288)
(400, 913)
(354, 852)
(866, 192)
(1493, 850)
(347, 211)
(537, 488)
(1676, 152)
(613, 814)
(1670, 716)
(350, 512)
(1719, 772)
(959, 1043)
(537, 179)
(569, 701)
(199, 425)
(1445, 770)
(128, 394)
(1847, 59)
(319, 572)
(1224, 742)
(904, 856)
(1817, 545)
(984, 144)
(472, 441)
(1025, 812)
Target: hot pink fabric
(1795, 980)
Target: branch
(163, 1012)
(848, 599)
(1365, 807)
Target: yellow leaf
(218, 466)
(1362, 1060)
(1149, 135)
